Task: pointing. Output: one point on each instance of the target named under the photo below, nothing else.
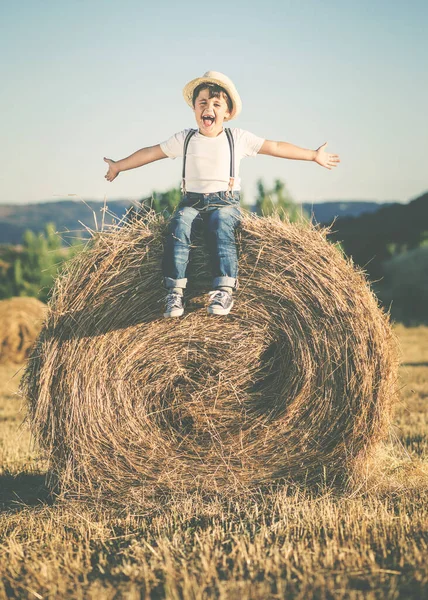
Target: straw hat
(219, 79)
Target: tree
(52, 238)
(165, 202)
(30, 270)
(18, 279)
(277, 201)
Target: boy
(210, 186)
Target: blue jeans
(219, 214)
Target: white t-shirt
(208, 158)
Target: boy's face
(210, 113)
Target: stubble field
(287, 543)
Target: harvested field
(296, 384)
(291, 543)
(21, 320)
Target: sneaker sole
(219, 311)
(174, 313)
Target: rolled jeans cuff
(169, 282)
(224, 282)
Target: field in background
(370, 544)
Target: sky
(85, 79)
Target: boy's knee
(225, 218)
(178, 226)
(181, 222)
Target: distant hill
(326, 212)
(66, 214)
(373, 238)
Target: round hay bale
(20, 323)
(297, 383)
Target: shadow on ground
(20, 491)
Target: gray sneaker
(173, 305)
(220, 302)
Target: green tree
(18, 279)
(52, 238)
(165, 202)
(30, 270)
(277, 200)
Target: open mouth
(208, 121)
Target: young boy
(210, 186)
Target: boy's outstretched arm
(286, 150)
(138, 159)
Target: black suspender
(186, 143)
(232, 159)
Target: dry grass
(20, 323)
(297, 383)
(287, 543)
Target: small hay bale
(297, 383)
(20, 323)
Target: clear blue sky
(85, 79)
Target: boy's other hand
(113, 169)
(324, 159)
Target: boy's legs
(221, 225)
(176, 258)
(177, 247)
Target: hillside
(66, 214)
(373, 238)
(325, 212)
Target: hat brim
(230, 89)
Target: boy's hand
(113, 169)
(326, 160)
